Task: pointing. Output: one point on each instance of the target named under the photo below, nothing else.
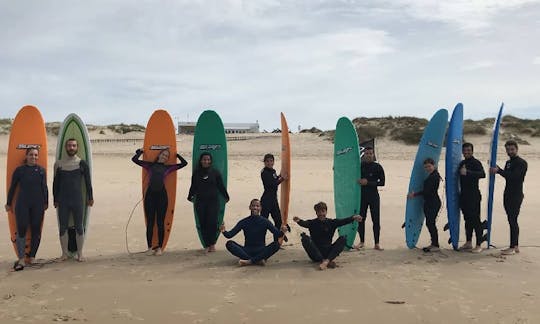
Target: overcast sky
(117, 61)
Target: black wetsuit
(205, 185)
(269, 202)
(67, 191)
(514, 172)
(374, 173)
(255, 248)
(31, 200)
(319, 246)
(432, 204)
(470, 197)
(155, 199)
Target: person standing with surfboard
(32, 201)
(470, 172)
(514, 173)
(271, 180)
(372, 177)
(206, 183)
(69, 173)
(432, 202)
(156, 198)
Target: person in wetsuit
(372, 177)
(271, 181)
(255, 250)
(69, 173)
(318, 244)
(206, 184)
(470, 172)
(156, 199)
(32, 201)
(432, 202)
(514, 173)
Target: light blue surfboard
(492, 163)
(454, 140)
(430, 146)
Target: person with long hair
(156, 199)
(32, 201)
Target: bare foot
(243, 262)
(62, 258)
(30, 261)
(516, 249)
(159, 251)
(80, 257)
(332, 265)
(212, 248)
(378, 247)
(150, 251)
(359, 246)
(324, 265)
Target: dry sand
(186, 286)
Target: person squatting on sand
(206, 182)
(69, 173)
(318, 245)
(271, 180)
(432, 202)
(255, 250)
(470, 172)
(32, 201)
(514, 173)
(372, 177)
(156, 199)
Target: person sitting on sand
(319, 246)
(255, 250)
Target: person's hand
(362, 181)
(296, 219)
(8, 208)
(90, 202)
(284, 176)
(463, 170)
(357, 218)
(494, 170)
(55, 204)
(410, 195)
(284, 228)
(280, 239)
(222, 227)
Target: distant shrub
(474, 130)
(312, 130)
(368, 132)
(409, 136)
(509, 136)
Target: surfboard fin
(446, 227)
(484, 238)
(403, 225)
(450, 241)
(484, 224)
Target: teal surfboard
(346, 175)
(73, 127)
(454, 140)
(491, 180)
(430, 146)
(210, 137)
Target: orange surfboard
(285, 192)
(28, 130)
(160, 134)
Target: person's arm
(230, 234)
(44, 188)
(193, 187)
(15, 178)
(135, 159)
(87, 182)
(379, 182)
(430, 187)
(221, 186)
(477, 171)
(56, 185)
(302, 222)
(343, 221)
(182, 163)
(516, 172)
(268, 180)
(277, 233)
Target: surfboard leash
(127, 226)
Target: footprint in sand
(125, 313)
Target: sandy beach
(187, 286)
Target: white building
(230, 128)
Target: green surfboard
(346, 174)
(73, 127)
(210, 137)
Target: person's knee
(229, 245)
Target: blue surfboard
(454, 140)
(492, 163)
(430, 146)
